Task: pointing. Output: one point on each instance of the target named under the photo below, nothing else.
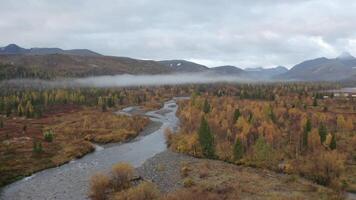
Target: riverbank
(71, 181)
(173, 172)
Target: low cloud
(126, 81)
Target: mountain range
(18, 62)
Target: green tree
(238, 149)
(322, 132)
(263, 153)
(237, 114)
(307, 129)
(315, 102)
(206, 139)
(102, 104)
(333, 142)
(206, 106)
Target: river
(71, 181)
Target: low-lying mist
(127, 80)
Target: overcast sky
(212, 32)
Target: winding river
(71, 181)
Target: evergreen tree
(237, 114)
(206, 139)
(333, 142)
(206, 107)
(238, 149)
(102, 104)
(322, 132)
(315, 102)
(307, 129)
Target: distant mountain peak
(345, 56)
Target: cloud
(241, 33)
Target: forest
(292, 128)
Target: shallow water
(71, 181)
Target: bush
(99, 184)
(144, 191)
(324, 168)
(188, 182)
(122, 174)
(37, 147)
(48, 136)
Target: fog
(154, 80)
(127, 80)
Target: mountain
(323, 69)
(183, 66)
(64, 65)
(265, 73)
(227, 70)
(15, 49)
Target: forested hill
(63, 65)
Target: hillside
(323, 69)
(183, 66)
(15, 49)
(63, 65)
(227, 70)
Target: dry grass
(99, 185)
(144, 191)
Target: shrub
(37, 147)
(144, 191)
(188, 182)
(324, 167)
(99, 184)
(122, 174)
(48, 136)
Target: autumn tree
(29, 109)
(314, 140)
(206, 139)
(349, 125)
(341, 123)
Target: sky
(242, 33)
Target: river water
(71, 181)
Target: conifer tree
(206, 107)
(333, 142)
(322, 132)
(238, 149)
(237, 114)
(206, 139)
(307, 129)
